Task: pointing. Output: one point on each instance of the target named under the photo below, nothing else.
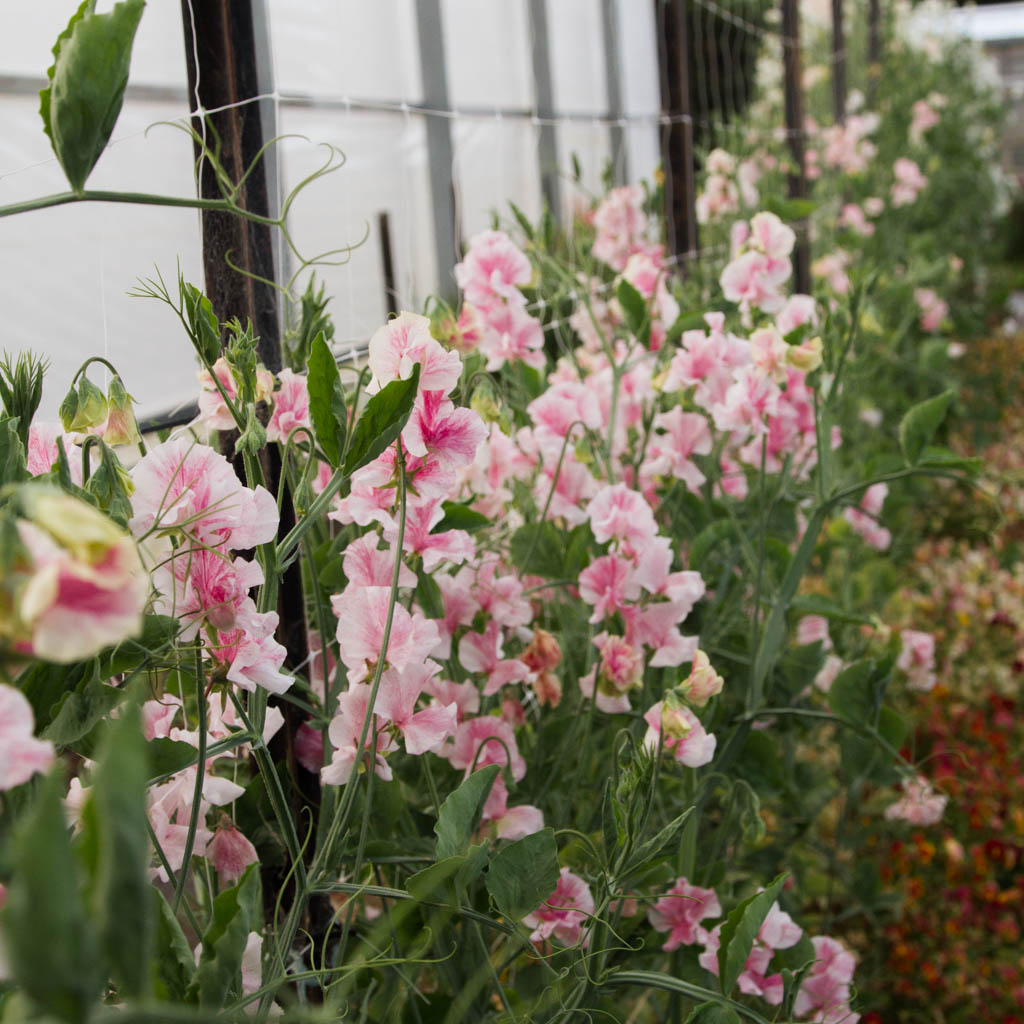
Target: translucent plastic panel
(496, 160)
(65, 295)
(158, 56)
(638, 57)
(346, 48)
(385, 170)
(487, 53)
(577, 56)
(591, 143)
(644, 151)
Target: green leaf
(50, 940)
(920, 423)
(760, 761)
(524, 874)
(327, 407)
(521, 220)
(653, 848)
(461, 517)
(167, 756)
(175, 967)
(85, 7)
(382, 420)
(538, 550)
(460, 871)
(943, 458)
(459, 816)
(12, 453)
(81, 104)
(892, 727)
(693, 321)
(852, 695)
(815, 604)
(107, 485)
(739, 931)
(713, 1013)
(202, 321)
(236, 913)
(634, 306)
(121, 900)
(428, 594)
(711, 539)
(789, 209)
(158, 633)
(80, 710)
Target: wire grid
(728, 27)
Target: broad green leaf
(739, 931)
(382, 421)
(943, 458)
(84, 8)
(175, 966)
(892, 727)
(852, 695)
(461, 517)
(121, 900)
(327, 407)
(634, 306)
(693, 321)
(524, 874)
(51, 943)
(789, 209)
(167, 756)
(760, 761)
(919, 424)
(538, 549)
(460, 871)
(158, 633)
(236, 913)
(79, 711)
(713, 1013)
(81, 104)
(711, 539)
(459, 816)
(659, 844)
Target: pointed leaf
(713, 1013)
(461, 517)
(175, 966)
(739, 931)
(537, 549)
(920, 423)
(634, 306)
(382, 420)
(653, 848)
(524, 874)
(459, 816)
(81, 105)
(327, 407)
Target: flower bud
(81, 412)
(121, 427)
(702, 683)
(675, 717)
(806, 356)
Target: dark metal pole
(794, 102)
(838, 62)
(547, 147)
(677, 133)
(440, 154)
(613, 81)
(874, 48)
(387, 263)
(221, 61)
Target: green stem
(197, 792)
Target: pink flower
(917, 659)
(291, 407)
(345, 729)
(619, 513)
(683, 735)
(753, 980)
(309, 747)
(512, 335)
(909, 182)
(181, 485)
(824, 996)
(453, 546)
(864, 518)
(482, 652)
(253, 655)
(366, 565)
(396, 702)
(438, 430)
(669, 453)
(608, 585)
(703, 682)
(852, 216)
(41, 455)
(494, 269)
(564, 913)
(362, 616)
(21, 755)
(401, 343)
(779, 930)
(620, 224)
(230, 852)
(679, 912)
(85, 588)
(933, 309)
(919, 805)
(622, 665)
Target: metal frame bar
(544, 105)
(440, 152)
(838, 62)
(613, 81)
(794, 102)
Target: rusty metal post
(220, 36)
(677, 155)
(794, 101)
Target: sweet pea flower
(682, 734)
(494, 268)
(230, 852)
(291, 406)
(21, 755)
(917, 659)
(680, 911)
(824, 995)
(564, 913)
(753, 979)
(402, 343)
(919, 805)
(703, 682)
(85, 587)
